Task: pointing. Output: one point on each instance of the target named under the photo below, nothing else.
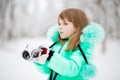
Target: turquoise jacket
(70, 64)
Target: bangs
(65, 15)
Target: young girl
(73, 44)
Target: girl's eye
(65, 23)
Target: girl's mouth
(61, 32)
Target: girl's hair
(79, 21)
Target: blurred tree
(3, 8)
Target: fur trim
(53, 33)
(92, 33)
(88, 71)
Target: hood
(93, 32)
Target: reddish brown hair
(79, 20)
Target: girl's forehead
(64, 20)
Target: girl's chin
(62, 37)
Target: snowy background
(25, 22)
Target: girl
(73, 44)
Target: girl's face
(66, 28)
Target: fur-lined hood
(93, 32)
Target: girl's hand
(43, 55)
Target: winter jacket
(69, 64)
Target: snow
(14, 67)
(108, 63)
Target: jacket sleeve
(42, 68)
(66, 67)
